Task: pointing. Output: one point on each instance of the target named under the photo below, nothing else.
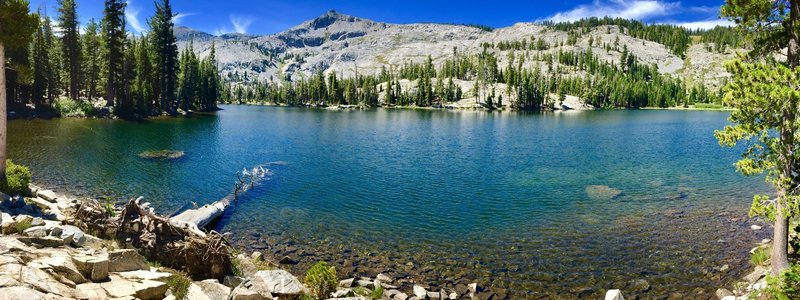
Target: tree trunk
(780, 259)
(3, 113)
(780, 244)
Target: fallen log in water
(200, 217)
(175, 242)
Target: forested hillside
(340, 59)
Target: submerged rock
(602, 192)
(420, 292)
(614, 295)
(162, 154)
(640, 285)
(722, 293)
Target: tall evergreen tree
(142, 87)
(70, 45)
(166, 54)
(767, 117)
(114, 39)
(92, 58)
(188, 79)
(212, 94)
(39, 60)
(16, 29)
(53, 66)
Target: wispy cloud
(657, 11)
(177, 19)
(708, 24)
(627, 9)
(132, 17)
(240, 25)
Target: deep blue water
(500, 197)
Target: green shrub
(22, 226)
(377, 293)
(321, 280)
(236, 266)
(109, 208)
(786, 286)
(179, 285)
(71, 108)
(17, 179)
(759, 257)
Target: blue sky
(266, 17)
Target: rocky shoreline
(68, 262)
(43, 256)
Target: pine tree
(166, 54)
(39, 66)
(188, 79)
(92, 59)
(16, 29)
(766, 120)
(114, 40)
(52, 67)
(126, 98)
(212, 94)
(71, 48)
(142, 86)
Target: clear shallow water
(500, 198)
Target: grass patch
(321, 280)
(109, 207)
(759, 257)
(18, 177)
(179, 285)
(377, 293)
(236, 265)
(708, 106)
(70, 108)
(154, 264)
(22, 226)
(162, 154)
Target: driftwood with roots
(176, 242)
(95, 218)
(173, 245)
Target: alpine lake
(531, 205)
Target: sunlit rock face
(347, 45)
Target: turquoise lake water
(505, 199)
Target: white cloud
(239, 23)
(626, 9)
(132, 17)
(708, 24)
(178, 18)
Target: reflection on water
(444, 196)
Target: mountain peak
(330, 17)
